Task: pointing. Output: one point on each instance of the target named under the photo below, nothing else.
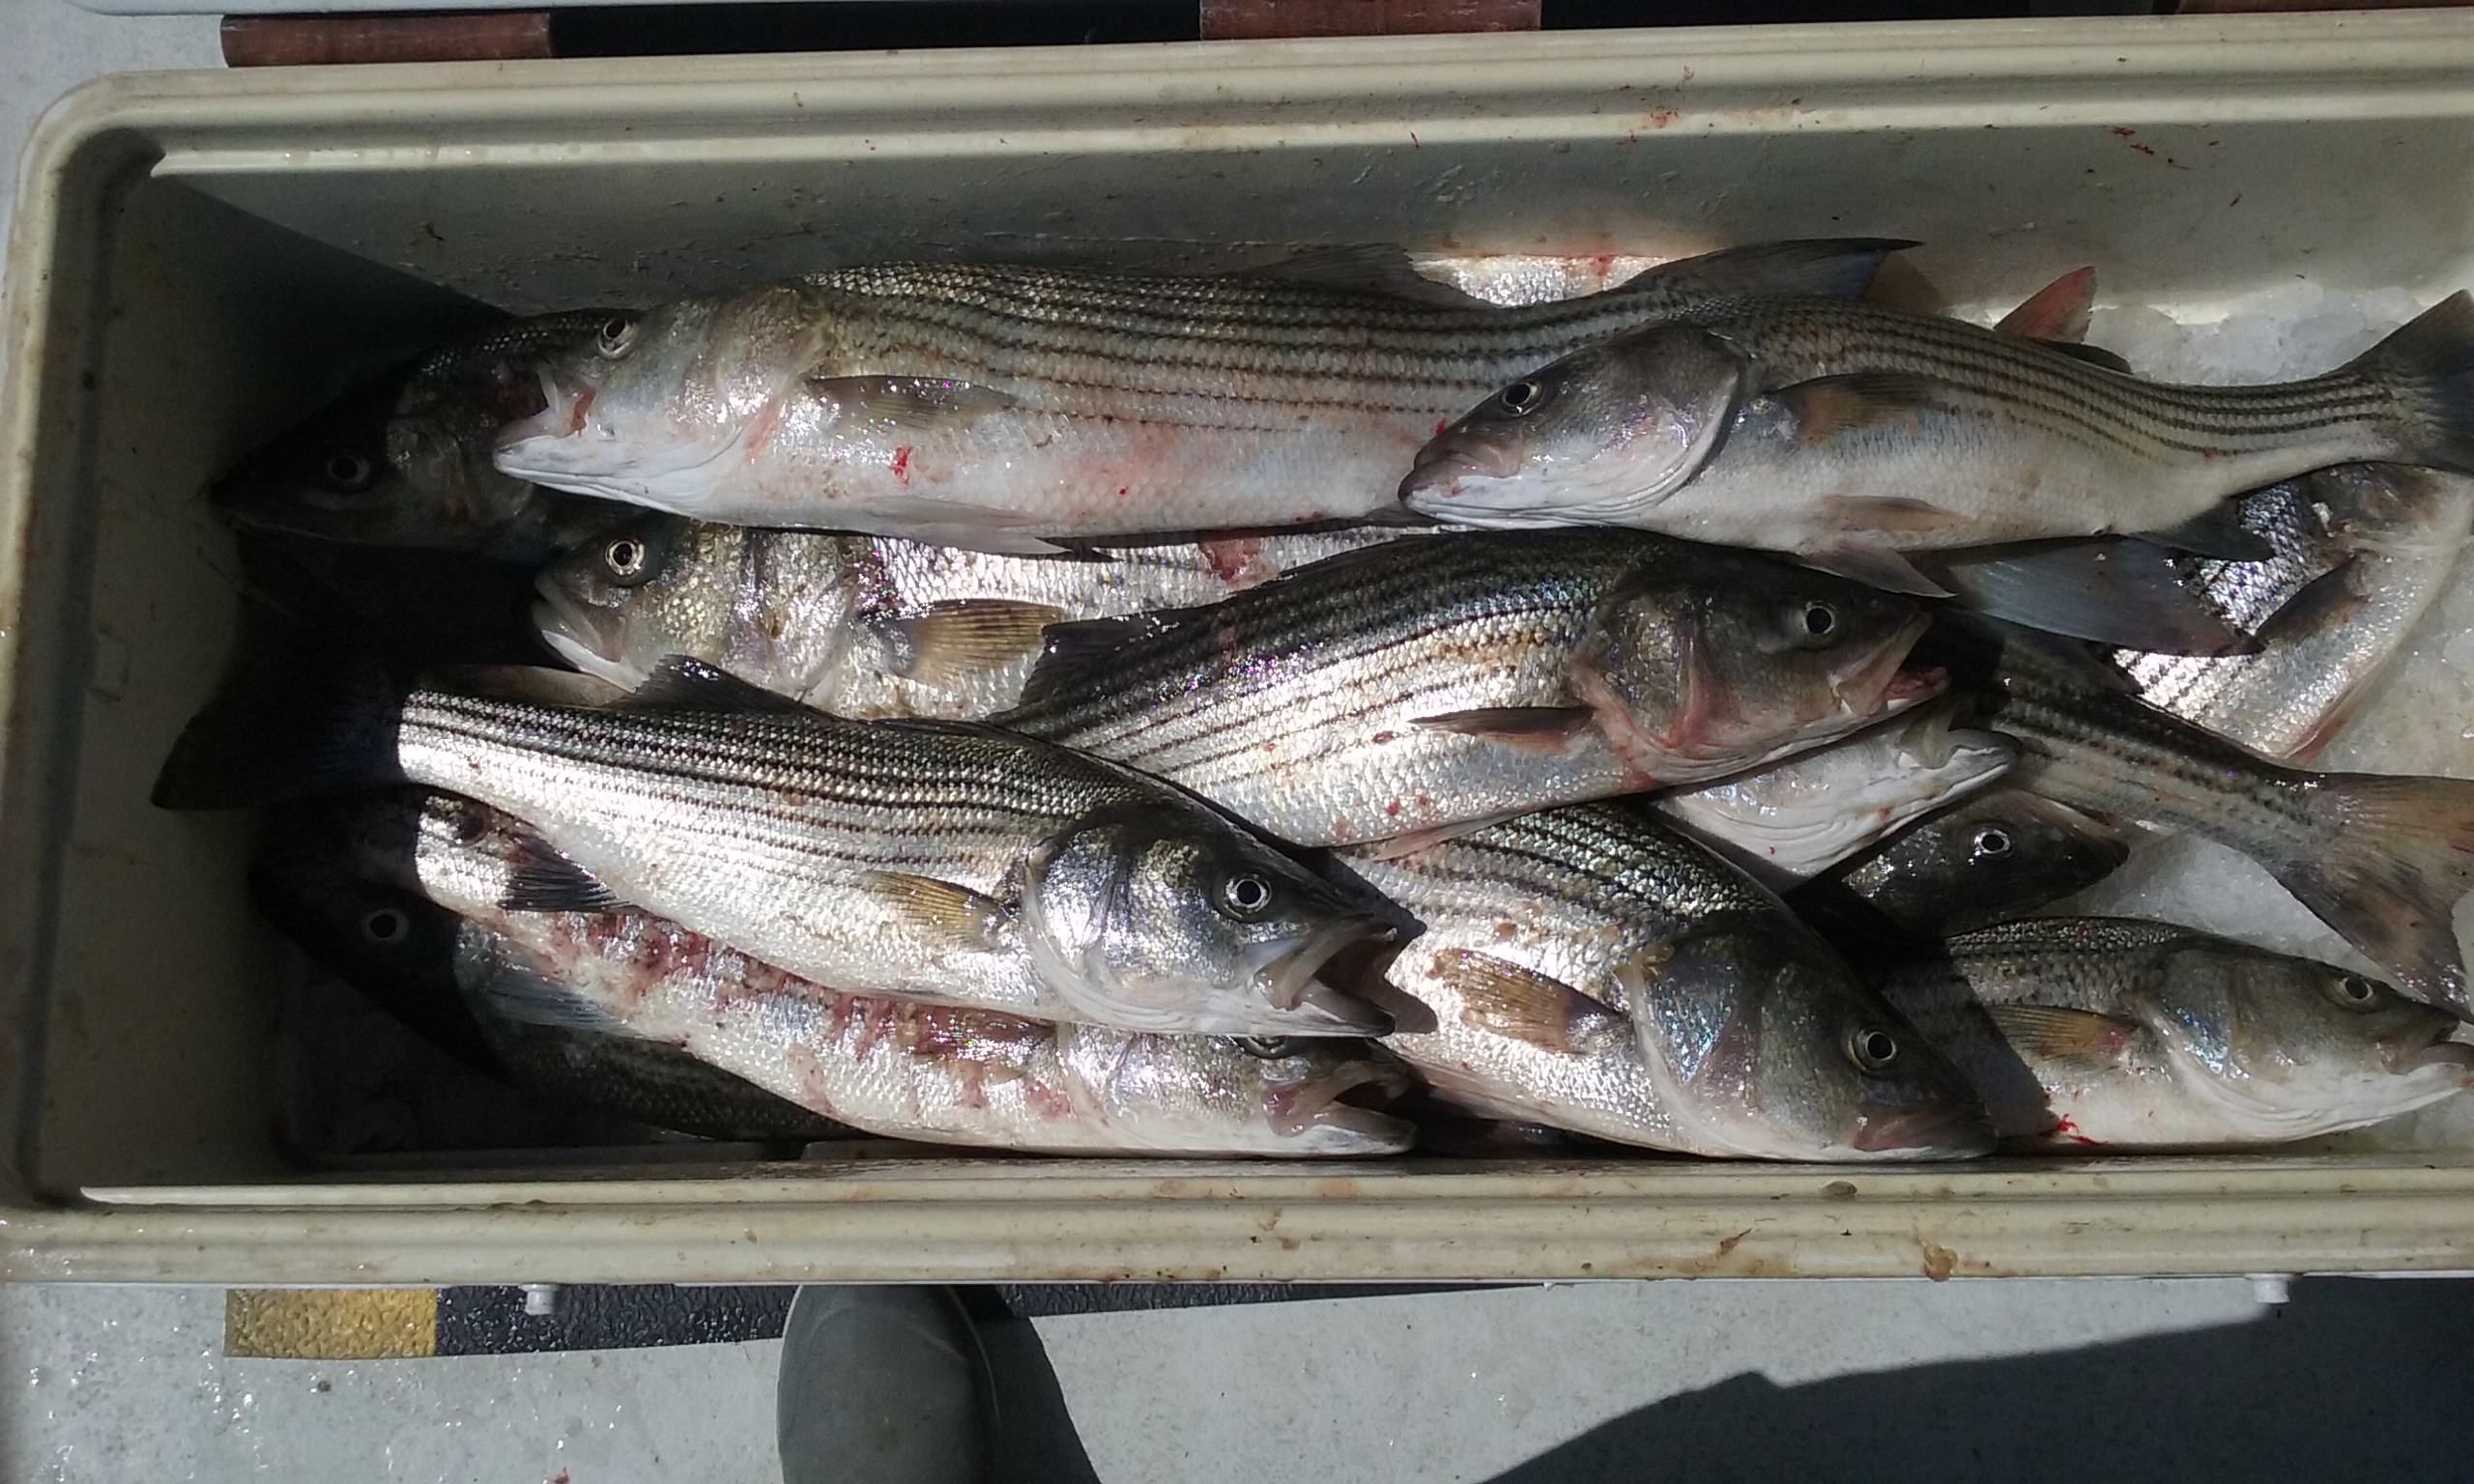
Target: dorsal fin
(1366, 268)
(680, 682)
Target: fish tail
(286, 730)
(2395, 856)
(2429, 367)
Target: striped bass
(1588, 968)
(1440, 682)
(1851, 432)
(991, 407)
(931, 861)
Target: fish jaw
(676, 472)
(1919, 1133)
(594, 640)
(1311, 1117)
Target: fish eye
(1270, 1048)
(1521, 398)
(386, 927)
(1814, 625)
(347, 472)
(1992, 843)
(617, 334)
(1245, 896)
(2352, 991)
(470, 826)
(1871, 1048)
(628, 560)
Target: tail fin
(1824, 266)
(284, 730)
(2429, 366)
(2399, 854)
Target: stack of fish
(1094, 712)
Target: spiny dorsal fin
(1367, 268)
(680, 682)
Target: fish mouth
(1294, 980)
(2439, 1049)
(1882, 682)
(1346, 1102)
(1445, 462)
(1954, 1132)
(591, 639)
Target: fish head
(661, 407)
(1748, 666)
(1599, 436)
(369, 926)
(407, 460)
(1761, 1044)
(331, 477)
(453, 851)
(1990, 858)
(1172, 919)
(613, 605)
(2268, 1039)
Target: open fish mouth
(1443, 462)
(1294, 980)
(2439, 1049)
(1956, 1132)
(592, 639)
(1346, 1101)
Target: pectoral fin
(1543, 729)
(1508, 1000)
(1826, 406)
(951, 642)
(943, 913)
(2052, 1033)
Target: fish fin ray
(678, 682)
(2217, 532)
(2397, 854)
(517, 987)
(1367, 268)
(1509, 1000)
(940, 909)
(2093, 354)
(2058, 1032)
(950, 643)
(1824, 406)
(2124, 593)
(1533, 728)
(1828, 267)
(542, 879)
(2056, 312)
(1872, 562)
(283, 729)
(2429, 364)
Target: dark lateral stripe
(843, 780)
